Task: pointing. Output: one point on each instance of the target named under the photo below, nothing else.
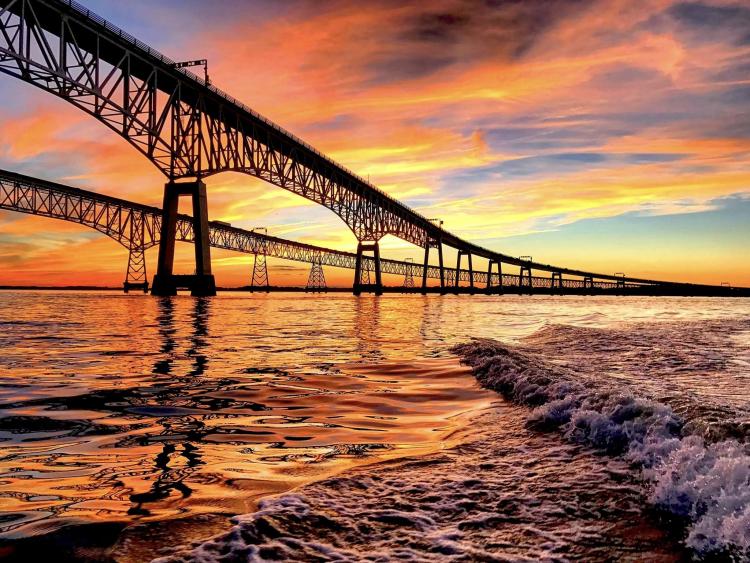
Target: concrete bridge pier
(588, 283)
(458, 272)
(202, 282)
(556, 281)
(359, 287)
(433, 243)
(525, 273)
(489, 288)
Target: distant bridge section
(137, 227)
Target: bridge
(138, 227)
(190, 130)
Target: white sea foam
(509, 494)
(503, 494)
(707, 483)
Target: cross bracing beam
(189, 128)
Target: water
(153, 420)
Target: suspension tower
(259, 280)
(316, 281)
(409, 276)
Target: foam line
(706, 483)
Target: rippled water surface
(133, 410)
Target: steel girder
(186, 127)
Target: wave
(502, 494)
(509, 494)
(708, 484)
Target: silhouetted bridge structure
(191, 130)
(137, 227)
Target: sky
(601, 135)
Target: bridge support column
(409, 275)
(433, 243)
(525, 273)
(556, 277)
(471, 274)
(588, 282)
(259, 280)
(359, 287)
(458, 271)
(316, 281)
(489, 287)
(202, 281)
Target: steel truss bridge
(137, 227)
(190, 130)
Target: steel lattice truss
(189, 128)
(137, 227)
(316, 280)
(186, 127)
(259, 278)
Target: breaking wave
(507, 493)
(705, 482)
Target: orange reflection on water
(133, 408)
(119, 408)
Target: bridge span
(190, 130)
(138, 227)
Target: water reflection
(167, 330)
(432, 316)
(155, 408)
(169, 478)
(367, 327)
(180, 437)
(200, 320)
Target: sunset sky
(610, 136)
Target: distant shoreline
(60, 287)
